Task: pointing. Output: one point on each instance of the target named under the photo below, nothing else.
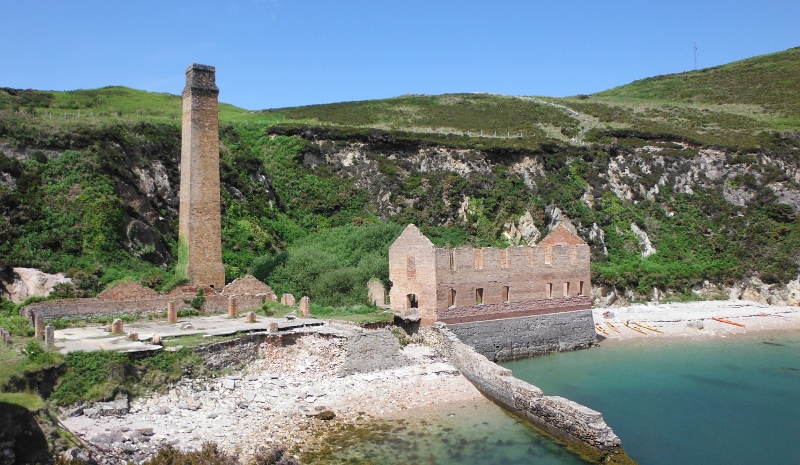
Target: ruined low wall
(98, 308)
(511, 309)
(581, 427)
(513, 338)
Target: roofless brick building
(200, 238)
(466, 285)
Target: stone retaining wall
(580, 427)
(513, 338)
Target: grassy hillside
(88, 180)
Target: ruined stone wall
(95, 308)
(515, 274)
(581, 427)
(485, 312)
(520, 337)
(412, 270)
(200, 239)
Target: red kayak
(723, 320)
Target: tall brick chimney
(200, 241)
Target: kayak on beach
(647, 327)
(627, 323)
(723, 320)
(610, 325)
(601, 329)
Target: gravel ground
(282, 399)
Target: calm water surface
(711, 401)
(473, 433)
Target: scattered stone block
(305, 305)
(251, 317)
(288, 300)
(228, 383)
(108, 328)
(132, 336)
(49, 336)
(233, 309)
(172, 312)
(117, 326)
(156, 339)
(273, 327)
(325, 415)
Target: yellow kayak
(612, 326)
(601, 329)
(635, 328)
(647, 326)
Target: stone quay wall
(527, 336)
(579, 426)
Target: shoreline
(695, 320)
(279, 398)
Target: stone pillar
(172, 312)
(38, 327)
(49, 336)
(233, 309)
(376, 292)
(117, 326)
(251, 317)
(305, 306)
(288, 300)
(132, 336)
(200, 237)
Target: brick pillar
(49, 336)
(251, 317)
(273, 327)
(288, 300)
(305, 305)
(172, 312)
(117, 326)
(38, 327)
(233, 309)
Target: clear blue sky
(276, 53)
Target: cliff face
(648, 198)
(662, 215)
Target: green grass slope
(83, 207)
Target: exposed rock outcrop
(17, 284)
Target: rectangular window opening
(566, 289)
(549, 290)
(479, 296)
(451, 301)
(411, 301)
(505, 294)
(580, 288)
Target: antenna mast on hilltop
(695, 56)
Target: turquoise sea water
(710, 401)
